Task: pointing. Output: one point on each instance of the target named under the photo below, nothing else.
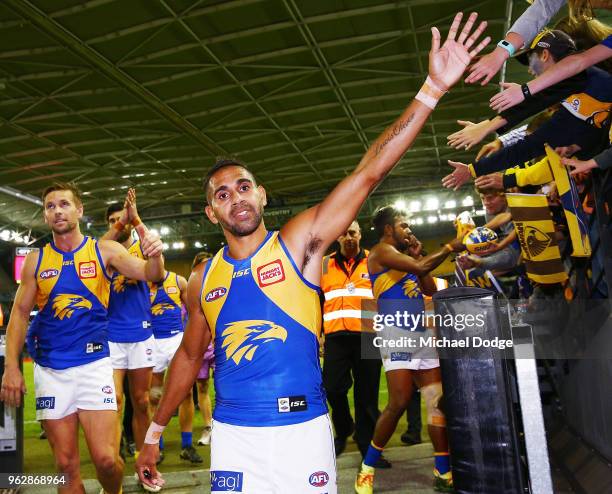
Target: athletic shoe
(189, 453)
(364, 483)
(382, 462)
(411, 438)
(443, 482)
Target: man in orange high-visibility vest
(345, 284)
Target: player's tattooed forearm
(397, 129)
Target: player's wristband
(154, 432)
(472, 171)
(118, 226)
(509, 47)
(430, 93)
(526, 91)
(136, 221)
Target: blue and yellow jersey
(73, 290)
(264, 318)
(129, 308)
(167, 318)
(396, 290)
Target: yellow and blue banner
(577, 221)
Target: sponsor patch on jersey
(271, 273)
(88, 269)
(292, 404)
(107, 389)
(215, 293)
(400, 356)
(94, 347)
(226, 481)
(318, 479)
(45, 403)
(48, 273)
(149, 351)
(172, 289)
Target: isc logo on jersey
(215, 294)
(318, 479)
(270, 273)
(292, 404)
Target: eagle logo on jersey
(242, 338)
(411, 288)
(120, 283)
(159, 309)
(65, 304)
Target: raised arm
(118, 258)
(13, 384)
(310, 233)
(180, 377)
(564, 69)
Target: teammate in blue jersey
(400, 277)
(69, 280)
(258, 300)
(167, 299)
(130, 337)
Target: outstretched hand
(511, 95)
(448, 63)
(460, 175)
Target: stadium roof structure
(147, 93)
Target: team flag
(568, 193)
(478, 277)
(536, 234)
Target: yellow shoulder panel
(215, 288)
(91, 272)
(49, 270)
(386, 281)
(274, 274)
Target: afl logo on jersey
(48, 273)
(271, 273)
(88, 269)
(318, 479)
(215, 294)
(172, 289)
(107, 389)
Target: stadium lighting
(415, 206)
(431, 204)
(164, 230)
(451, 216)
(197, 244)
(5, 235)
(166, 246)
(418, 221)
(432, 219)
(468, 201)
(154, 231)
(450, 204)
(400, 204)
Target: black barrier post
(479, 396)
(11, 428)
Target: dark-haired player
(69, 279)
(258, 299)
